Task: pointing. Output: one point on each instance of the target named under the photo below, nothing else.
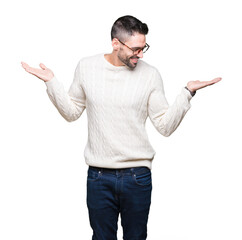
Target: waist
(120, 171)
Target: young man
(119, 91)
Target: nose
(140, 54)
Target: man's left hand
(193, 86)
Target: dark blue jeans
(112, 191)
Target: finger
(25, 65)
(43, 66)
(28, 68)
(215, 80)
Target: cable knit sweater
(118, 101)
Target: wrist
(49, 78)
(191, 92)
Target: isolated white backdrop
(196, 171)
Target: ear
(115, 44)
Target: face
(126, 55)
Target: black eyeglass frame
(138, 50)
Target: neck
(113, 59)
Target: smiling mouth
(134, 59)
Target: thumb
(43, 66)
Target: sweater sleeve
(70, 104)
(166, 118)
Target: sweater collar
(110, 66)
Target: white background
(197, 176)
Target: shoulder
(90, 59)
(144, 66)
(89, 63)
(149, 71)
(153, 73)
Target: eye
(136, 49)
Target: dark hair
(126, 26)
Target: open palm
(44, 73)
(196, 85)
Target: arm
(167, 118)
(70, 104)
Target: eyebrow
(137, 48)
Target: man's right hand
(44, 73)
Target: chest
(116, 90)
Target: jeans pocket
(93, 175)
(143, 179)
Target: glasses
(137, 50)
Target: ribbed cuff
(192, 93)
(51, 82)
(187, 93)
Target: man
(119, 91)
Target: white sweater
(118, 101)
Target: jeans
(112, 191)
